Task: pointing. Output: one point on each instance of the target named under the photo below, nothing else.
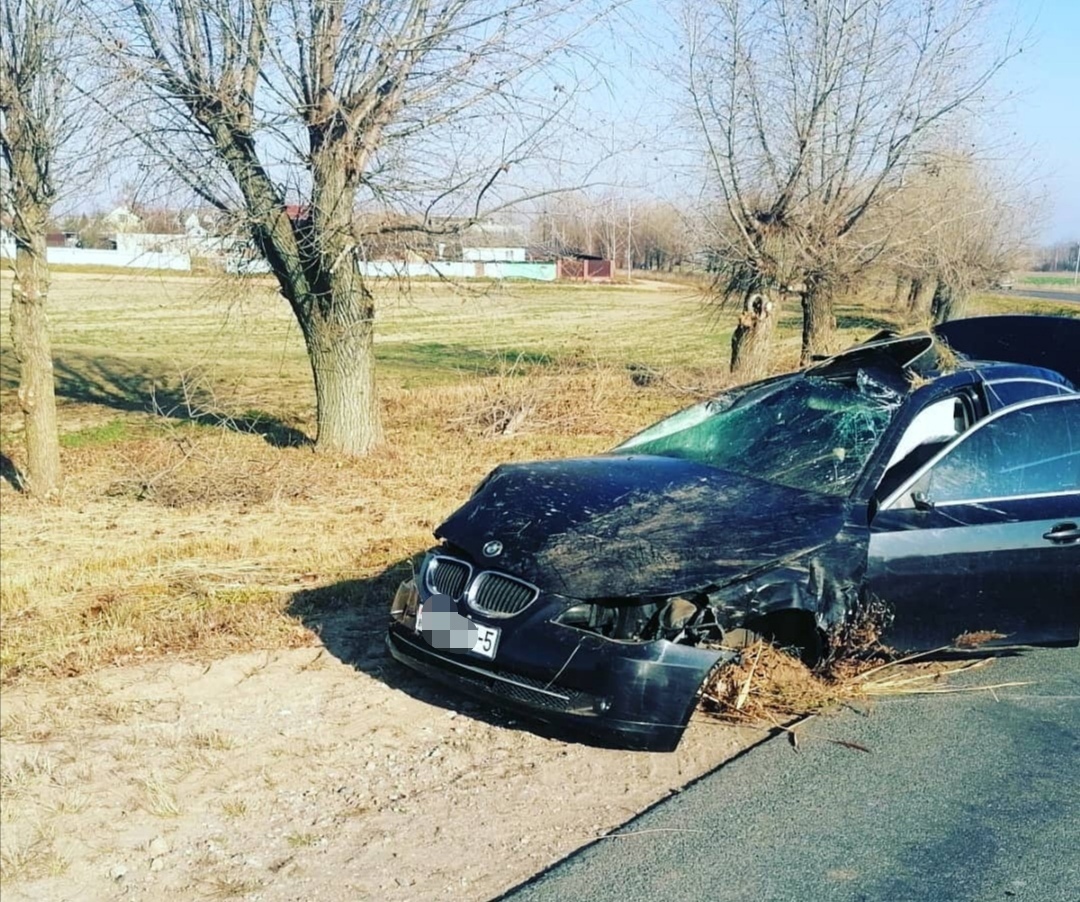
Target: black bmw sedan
(933, 479)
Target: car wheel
(795, 631)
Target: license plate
(487, 637)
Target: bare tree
(37, 117)
(960, 225)
(811, 113)
(295, 115)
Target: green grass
(1048, 281)
(995, 304)
(105, 433)
(1061, 281)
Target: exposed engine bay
(685, 620)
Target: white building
(490, 242)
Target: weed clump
(767, 683)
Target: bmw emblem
(493, 548)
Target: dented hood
(624, 525)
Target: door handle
(1062, 533)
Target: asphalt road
(1073, 296)
(967, 796)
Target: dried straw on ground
(770, 686)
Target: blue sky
(1034, 131)
(1046, 113)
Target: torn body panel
(1049, 342)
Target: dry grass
(25, 858)
(158, 797)
(194, 519)
(769, 686)
(229, 887)
(234, 808)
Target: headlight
(406, 601)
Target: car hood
(624, 525)
(1046, 341)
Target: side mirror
(922, 501)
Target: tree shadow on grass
(863, 321)
(140, 387)
(12, 474)
(351, 618)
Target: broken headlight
(406, 601)
(686, 619)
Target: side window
(1013, 391)
(932, 428)
(1030, 451)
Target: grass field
(195, 518)
(1059, 281)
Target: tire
(795, 631)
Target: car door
(985, 537)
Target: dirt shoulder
(292, 775)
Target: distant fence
(78, 256)
(375, 269)
(457, 269)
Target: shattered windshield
(809, 432)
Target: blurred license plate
(487, 637)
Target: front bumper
(630, 695)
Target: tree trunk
(919, 300)
(312, 258)
(914, 290)
(751, 339)
(818, 323)
(902, 291)
(948, 302)
(30, 337)
(341, 351)
(338, 320)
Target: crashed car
(931, 479)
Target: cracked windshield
(809, 433)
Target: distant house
(122, 220)
(62, 239)
(193, 228)
(491, 242)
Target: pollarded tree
(958, 226)
(811, 113)
(294, 115)
(39, 115)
